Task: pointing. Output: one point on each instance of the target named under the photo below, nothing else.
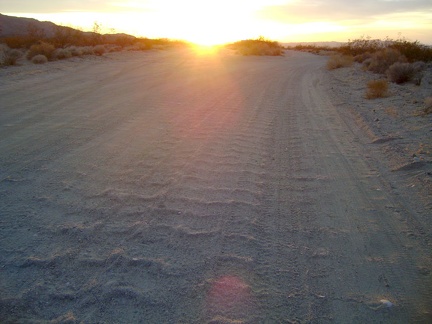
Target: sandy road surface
(165, 187)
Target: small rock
(386, 303)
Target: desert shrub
(144, 44)
(259, 49)
(428, 106)
(412, 50)
(362, 45)
(377, 89)
(39, 59)
(383, 59)
(113, 48)
(339, 61)
(310, 48)
(360, 58)
(61, 54)
(75, 51)
(87, 50)
(99, 50)
(259, 46)
(419, 66)
(18, 41)
(10, 56)
(400, 72)
(42, 48)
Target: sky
(220, 21)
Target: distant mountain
(17, 26)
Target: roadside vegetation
(377, 89)
(66, 42)
(258, 47)
(337, 61)
(398, 61)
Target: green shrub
(42, 48)
(400, 72)
(39, 59)
(339, 61)
(377, 89)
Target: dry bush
(42, 48)
(362, 45)
(113, 48)
(419, 66)
(99, 50)
(428, 106)
(377, 89)
(87, 50)
(413, 51)
(383, 59)
(339, 61)
(360, 58)
(400, 72)
(310, 48)
(39, 59)
(61, 54)
(259, 47)
(9, 56)
(75, 51)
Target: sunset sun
(204, 23)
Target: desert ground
(173, 187)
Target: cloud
(49, 6)
(330, 10)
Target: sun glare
(204, 23)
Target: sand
(169, 187)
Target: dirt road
(168, 187)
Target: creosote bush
(259, 47)
(339, 61)
(383, 59)
(412, 50)
(61, 54)
(9, 57)
(87, 50)
(75, 51)
(39, 59)
(42, 48)
(400, 72)
(360, 58)
(361, 45)
(377, 89)
(99, 50)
